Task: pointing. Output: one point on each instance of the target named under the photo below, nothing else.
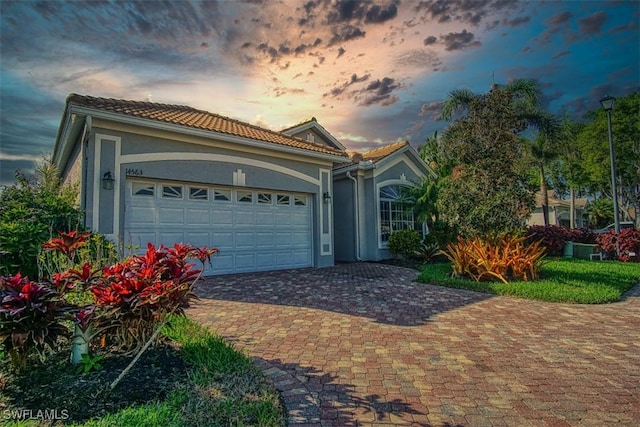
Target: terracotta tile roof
(374, 155)
(199, 119)
(304, 122)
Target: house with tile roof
(371, 193)
(151, 172)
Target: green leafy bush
(31, 212)
(404, 243)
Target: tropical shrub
(135, 296)
(553, 238)
(31, 211)
(404, 243)
(427, 252)
(582, 235)
(441, 234)
(629, 240)
(32, 318)
(508, 258)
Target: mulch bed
(58, 385)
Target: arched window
(396, 211)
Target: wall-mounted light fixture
(107, 181)
(326, 197)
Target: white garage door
(255, 230)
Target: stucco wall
(343, 214)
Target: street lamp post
(607, 103)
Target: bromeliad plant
(505, 259)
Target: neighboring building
(160, 173)
(370, 195)
(560, 211)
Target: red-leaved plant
(135, 296)
(629, 240)
(32, 318)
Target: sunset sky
(370, 72)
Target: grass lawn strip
(221, 387)
(562, 280)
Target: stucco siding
(344, 220)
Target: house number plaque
(134, 172)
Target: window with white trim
(172, 191)
(244, 196)
(221, 195)
(396, 211)
(198, 193)
(264, 199)
(143, 189)
(283, 199)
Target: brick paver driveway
(360, 344)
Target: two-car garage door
(255, 230)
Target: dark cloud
(378, 14)
(430, 40)
(341, 52)
(593, 23)
(559, 19)
(459, 41)
(465, 11)
(560, 54)
(556, 23)
(360, 11)
(431, 110)
(338, 90)
(516, 21)
(380, 92)
(345, 33)
(280, 91)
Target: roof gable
(190, 117)
(313, 125)
(379, 157)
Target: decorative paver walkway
(360, 344)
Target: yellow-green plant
(504, 259)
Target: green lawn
(563, 280)
(224, 388)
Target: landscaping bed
(562, 280)
(192, 378)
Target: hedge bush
(404, 243)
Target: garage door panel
(265, 260)
(198, 217)
(300, 219)
(139, 240)
(170, 238)
(246, 262)
(142, 215)
(245, 240)
(222, 217)
(265, 219)
(221, 263)
(301, 239)
(170, 216)
(265, 240)
(301, 258)
(283, 239)
(222, 240)
(244, 217)
(198, 239)
(251, 236)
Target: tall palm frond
(457, 100)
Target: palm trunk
(572, 215)
(545, 197)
